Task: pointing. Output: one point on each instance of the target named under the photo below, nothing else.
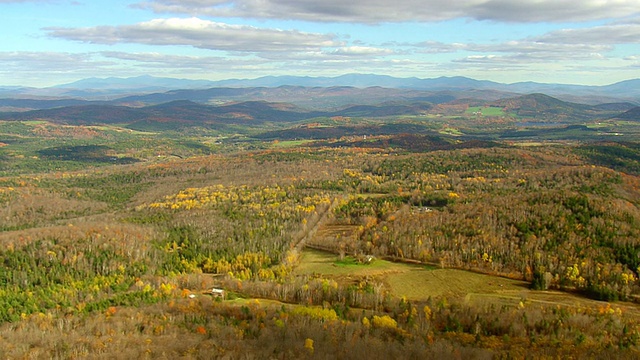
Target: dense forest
(421, 245)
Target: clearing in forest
(485, 110)
(413, 281)
(419, 282)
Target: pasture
(417, 282)
(485, 111)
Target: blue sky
(49, 42)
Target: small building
(218, 293)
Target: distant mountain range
(310, 98)
(139, 83)
(185, 113)
(117, 88)
(144, 102)
(189, 113)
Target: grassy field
(486, 111)
(450, 131)
(421, 282)
(330, 265)
(413, 281)
(289, 143)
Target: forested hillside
(122, 256)
(463, 229)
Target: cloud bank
(199, 33)
(384, 11)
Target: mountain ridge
(113, 87)
(532, 106)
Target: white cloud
(269, 64)
(522, 51)
(50, 68)
(578, 44)
(200, 34)
(361, 51)
(437, 47)
(379, 11)
(628, 33)
(582, 44)
(632, 61)
(51, 61)
(527, 59)
(181, 62)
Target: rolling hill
(189, 113)
(183, 112)
(546, 108)
(537, 107)
(624, 106)
(631, 114)
(312, 98)
(386, 109)
(39, 104)
(80, 115)
(109, 89)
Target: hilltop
(631, 114)
(545, 107)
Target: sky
(587, 42)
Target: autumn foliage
(97, 261)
